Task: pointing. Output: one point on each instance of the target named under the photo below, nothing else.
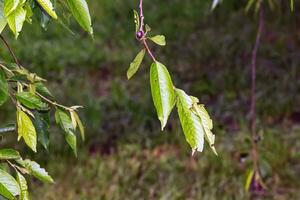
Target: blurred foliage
(209, 53)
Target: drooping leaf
(64, 120)
(10, 6)
(26, 129)
(9, 188)
(48, 7)
(162, 90)
(71, 140)
(24, 195)
(42, 89)
(3, 88)
(42, 123)
(3, 20)
(190, 122)
(16, 20)
(159, 39)
(7, 154)
(136, 63)
(35, 170)
(80, 11)
(76, 120)
(136, 20)
(32, 101)
(206, 123)
(215, 3)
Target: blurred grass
(125, 155)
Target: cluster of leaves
(34, 103)
(195, 121)
(16, 12)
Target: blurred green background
(126, 156)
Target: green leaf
(10, 6)
(159, 39)
(7, 154)
(35, 170)
(136, 20)
(207, 124)
(26, 129)
(9, 188)
(48, 7)
(3, 20)
(64, 120)
(249, 180)
(136, 63)
(42, 89)
(16, 19)
(76, 120)
(162, 90)
(32, 101)
(71, 140)
(24, 195)
(3, 88)
(190, 122)
(42, 123)
(80, 11)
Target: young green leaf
(76, 120)
(190, 122)
(159, 39)
(10, 6)
(249, 178)
(7, 154)
(24, 195)
(42, 89)
(136, 20)
(26, 129)
(42, 123)
(3, 88)
(35, 170)
(136, 63)
(162, 90)
(80, 11)
(48, 7)
(16, 19)
(32, 101)
(207, 124)
(9, 188)
(3, 20)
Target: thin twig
(254, 138)
(10, 50)
(142, 32)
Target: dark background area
(208, 54)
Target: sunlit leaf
(26, 129)
(16, 20)
(190, 122)
(9, 188)
(35, 170)
(32, 101)
(7, 154)
(48, 7)
(24, 195)
(162, 90)
(136, 20)
(3, 88)
(10, 6)
(136, 63)
(80, 11)
(76, 120)
(249, 180)
(159, 39)
(3, 20)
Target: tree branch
(10, 50)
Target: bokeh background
(126, 156)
